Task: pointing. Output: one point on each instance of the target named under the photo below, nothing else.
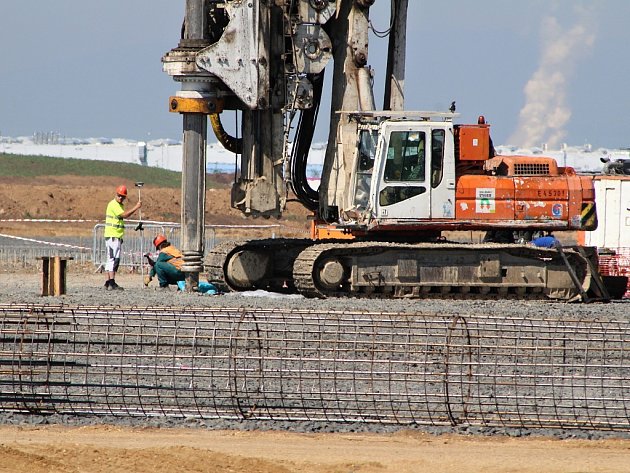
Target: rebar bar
(427, 369)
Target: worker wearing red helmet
(114, 232)
(168, 266)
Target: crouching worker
(168, 265)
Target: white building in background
(165, 154)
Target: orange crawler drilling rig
(393, 181)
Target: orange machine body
(560, 199)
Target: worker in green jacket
(168, 265)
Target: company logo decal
(485, 203)
(556, 210)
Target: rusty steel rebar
(428, 369)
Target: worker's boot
(114, 287)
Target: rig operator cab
(401, 172)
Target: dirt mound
(76, 197)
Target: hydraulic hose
(234, 145)
(299, 155)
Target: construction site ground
(39, 444)
(100, 449)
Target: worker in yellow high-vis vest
(114, 232)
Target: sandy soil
(109, 449)
(97, 449)
(73, 197)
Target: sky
(540, 71)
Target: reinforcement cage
(431, 369)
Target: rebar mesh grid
(429, 369)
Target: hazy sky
(541, 71)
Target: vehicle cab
(404, 170)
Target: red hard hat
(121, 190)
(158, 240)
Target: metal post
(349, 35)
(194, 152)
(140, 228)
(195, 21)
(193, 195)
(395, 77)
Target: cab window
(437, 157)
(405, 157)
(365, 164)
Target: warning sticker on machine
(485, 203)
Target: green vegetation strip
(35, 166)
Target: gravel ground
(85, 289)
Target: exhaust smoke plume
(546, 112)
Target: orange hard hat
(158, 240)
(121, 190)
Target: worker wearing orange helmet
(168, 266)
(114, 232)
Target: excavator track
(439, 270)
(255, 264)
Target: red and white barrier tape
(45, 242)
(148, 222)
(47, 220)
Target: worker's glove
(149, 260)
(147, 280)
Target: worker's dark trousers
(167, 273)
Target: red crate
(615, 262)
